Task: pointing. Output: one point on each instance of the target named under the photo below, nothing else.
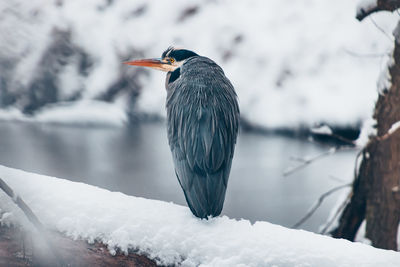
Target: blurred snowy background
(293, 63)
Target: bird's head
(170, 60)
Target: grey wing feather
(203, 118)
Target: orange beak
(155, 63)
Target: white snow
(394, 127)
(360, 236)
(293, 63)
(323, 129)
(11, 113)
(88, 112)
(368, 129)
(384, 81)
(84, 112)
(171, 235)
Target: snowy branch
(327, 131)
(22, 205)
(395, 126)
(367, 7)
(31, 217)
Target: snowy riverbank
(292, 64)
(170, 234)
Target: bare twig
(325, 130)
(343, 139)
(337, 213)
(298, 159)
(356, 165)
(381, 30)
(22, 205)
(305, 162)
(346, 201)
(334, 178)
(318, 203)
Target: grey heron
(202, 123)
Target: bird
(202, 123)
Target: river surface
(136, 161)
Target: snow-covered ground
(88, 112)
(170, 234)
(293, 63)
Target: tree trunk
(383, 202)
(375, 195)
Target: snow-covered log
(170, 234)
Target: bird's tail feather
(207, 194)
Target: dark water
(137, 161)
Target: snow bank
(171, 235)
(83, 112)
(293, 64)
(89, 112)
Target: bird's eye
(171, 60)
